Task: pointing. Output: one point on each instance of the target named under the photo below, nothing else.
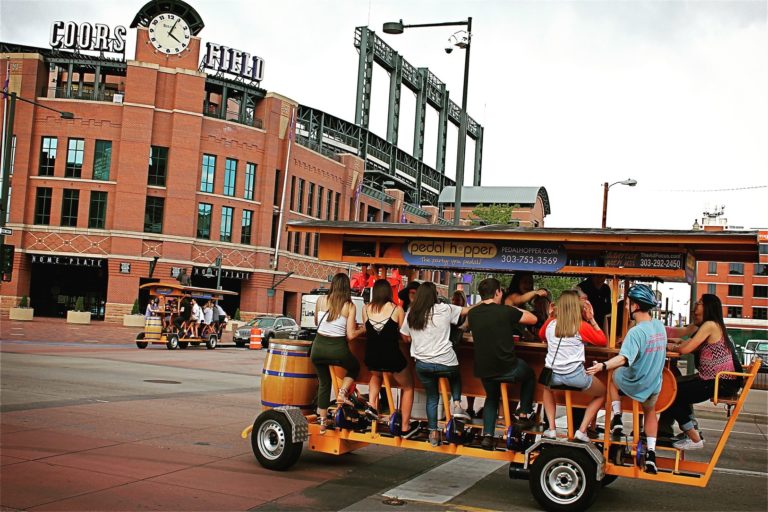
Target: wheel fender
(590, 448)
(299, 425)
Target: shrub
(79, 304)
(135, 309)
(23, 303)
(237, 315)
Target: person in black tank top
(383, 319)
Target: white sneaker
(581, 436)
(549, 434)
(460, 413)
(688, 444)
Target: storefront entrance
(230, 280)
(59, 281)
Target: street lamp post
(629, 182)
(7, 141)
(384, 185)
(397, 27)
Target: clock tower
(167, 34)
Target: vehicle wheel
(608, 480)
(240, 344)
(183, 344)
(173, 342)
(265, 341)
(139, 343)
(212, 342)
(563, 479)
(272, 441)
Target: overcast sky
(571, 94)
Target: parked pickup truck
(756, 348)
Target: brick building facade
(166, 167)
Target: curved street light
(628, 182)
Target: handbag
(546, 375)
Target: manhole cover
(202, 443)
(394, 502)
(161, 381)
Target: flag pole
(281, 218)
(5, 108)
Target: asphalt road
(159, 430)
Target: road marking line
(741, 472)
(734, 432)
(446, 481)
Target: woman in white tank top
(335, 314)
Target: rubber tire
(139, 343)
(173, 342)
(608, 480)
(183, 345)
(272, 443)
(212, 342)
(266, 341)
(566, 462)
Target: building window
(250, 180)
(712, 268)
(48, 156)
(75, 150)
(736, 269)
(102, 160)
(760, 313)
(712, 289)
(734, 311)
(230, 176)
(761, 269)
(153, 215)
(204, 221)
(760, 291)
(43, 205)
(275, 230)
(336, 206)
(300, 197)
(314, 249)
(209, 170)
(307, 243)
(735, 290)
(69, 208)
(225, 233)
(158, 166)
(320, 194)
(276, 196)
(291, 205)
(97, 212)
(245, 227)
(297, 242)
(763, 249)
(310, 200)
(328, 201)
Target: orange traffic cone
(256, 337)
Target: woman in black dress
(383, 319)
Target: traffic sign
(6, 231)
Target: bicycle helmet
(642, 294)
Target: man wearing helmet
(638, 367)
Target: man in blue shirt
(643, 352)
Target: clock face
(169, 34)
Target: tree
(135, 308)
(555, 284)
(495, 214)
(237, 315)
(79, 304)
(23, 303)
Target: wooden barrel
(289, 377)
(153, 327)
